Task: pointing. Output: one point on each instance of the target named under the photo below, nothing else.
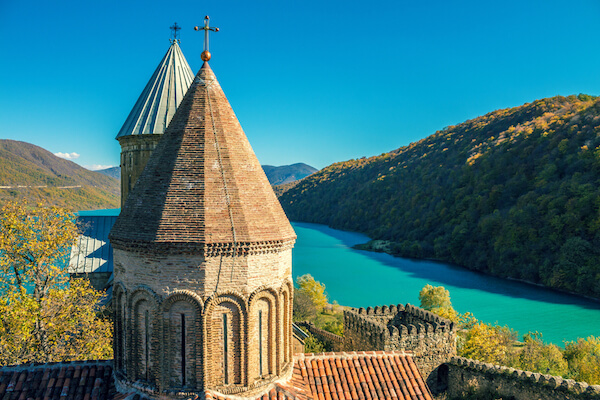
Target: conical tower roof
(158, 102)
(203, 185)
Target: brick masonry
(202, 260)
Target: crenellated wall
(464, 376)
(333, 341)
(430, 338)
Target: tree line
(514, 193)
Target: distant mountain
(514, 193)
(30, 172)
(114, 172)
(287, 173)
(276, 175)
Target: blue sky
(310, 81)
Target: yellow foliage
(35, 244)
(44, 317)
(583, 357)
(437, 300)
(487, 343)
(315, 290)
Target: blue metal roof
(160, 98)
(93, 252)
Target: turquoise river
(362, 279)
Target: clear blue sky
(310, 81)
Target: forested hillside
(30, 172)
(514, 193)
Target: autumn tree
(437, 300)
(304, 308)
(489, 343)
(44, 316)
(540, 357)
(583, 357)
(315, 290)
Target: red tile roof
(328, 376)
(88, 380)
(362, 375)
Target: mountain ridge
(35, 174)
(277, 175)
(514, 193)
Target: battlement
(430, 337)
(393, 321)
(429, 317)
(465, 374)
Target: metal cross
(206, 54)
(174, 30)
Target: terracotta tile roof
(349, 376)
(202, 182)
(328, 376)
(88, 380)
(362, 375)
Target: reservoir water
(362, 279)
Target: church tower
(202, 256)
(152, 113)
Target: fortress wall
(431, 347)
(430, 338)
(466, 375)
(334, 342)
(362, 333)
(416, 315)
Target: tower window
(147, 344)
(182, 349)
(225, 351)
(260, 344)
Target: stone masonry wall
(470, 376)
(335, 342)
(201, 275)
(430, 338)
(135, 153)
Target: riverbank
(387, 246)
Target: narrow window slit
(147, 344)
(225, 351)
(183, 350)
(260, 344)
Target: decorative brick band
(205, 249)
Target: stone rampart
(432, 339)
(333, 341)
(464, 376)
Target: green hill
(30, 172)
(514, 193)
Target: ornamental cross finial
(205, 56)
(174, 30)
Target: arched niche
(143, 337)
(225, 323)
(264, 335)
(182, 338)
(285, 294)
(119, 335)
